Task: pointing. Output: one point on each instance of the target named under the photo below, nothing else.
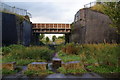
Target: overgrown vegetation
(98, 7)
(37, 73)
(112, 9)
(7, 72)
(71, 71)
(21, 17)
(101, 57)
(68, 57)
(70, 48)
(24, 55)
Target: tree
(53, 38)
(41, 36)
(112, 9)
(47, 39)
(61, 37)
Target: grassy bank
(24, 55)
(99, 58)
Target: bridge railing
(51, 26)
(6, 8)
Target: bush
(98, 7)
(104, 54)
(62, 70)
(32, 53)
(16, 47)
(68, 57)
(103, 57)
(70, 48)
(24, 55)
(5, 50)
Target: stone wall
(0, 30)
(37, 66)
(9, 66)
(93, 27)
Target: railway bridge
(50, 28)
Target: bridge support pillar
(36, 39)
(67, 38)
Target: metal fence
(6, 8)
(90, 4)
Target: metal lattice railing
(6, 8)
(90, 4)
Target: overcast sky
(50, 11)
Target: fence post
(90, 4)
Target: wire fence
(6, 8)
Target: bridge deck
(51, 28)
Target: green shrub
(98, 7)
(68, 57)
(16, 47)
(104, 57)
(70, 48)
(32, 53)
(5, 50)
(104, 54)
(62, 70)
(24, 55)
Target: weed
(37, 73)
(6, 71)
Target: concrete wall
(0, 30)
(93, 27)
(9, 32)
(27, 33)
(15, 30)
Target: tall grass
(103, 55)
(24, 55)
